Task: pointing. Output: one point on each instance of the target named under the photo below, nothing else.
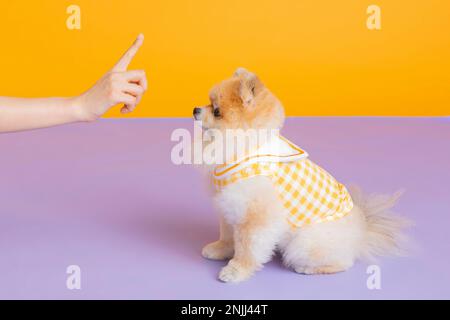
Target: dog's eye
(216, 112)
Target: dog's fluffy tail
(384, 230)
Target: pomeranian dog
(274, 199)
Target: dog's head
(241, 102)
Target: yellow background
(317, 56)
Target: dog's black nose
(197, 111)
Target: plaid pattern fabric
(308, 192)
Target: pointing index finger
(126, 59)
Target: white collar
(277, 149)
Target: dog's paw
(219, 250)
(234, 273)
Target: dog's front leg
(224, 247)
(255, 239)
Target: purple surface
(106, 197)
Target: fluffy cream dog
(254, 220)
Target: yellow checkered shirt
(308, 192)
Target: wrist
(79, 109)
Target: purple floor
(106, 197)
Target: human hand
(117, 86)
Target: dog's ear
(241, 71)
(250, 85)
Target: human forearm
(18, 114)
